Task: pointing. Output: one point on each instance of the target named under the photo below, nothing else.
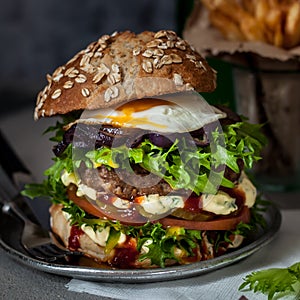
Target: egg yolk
(140, 105)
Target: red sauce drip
(126, 256)
(194, 204)
(74, 242)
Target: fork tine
(49, 252)
(43, 253)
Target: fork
(35, 239)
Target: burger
(146, 173)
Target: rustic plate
(10, 231)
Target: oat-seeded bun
(118, 67)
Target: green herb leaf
(112, 240)
(274, 281)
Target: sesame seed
(110, 93)
(136, 51)
(68, 84)
(98, 77)
(68, 71)
(176, 58)
(177, 79)
(147, 66)
(73, 73)
(49, 78)
(158, 52)
(115, 68)
(57, 77)
(148, 53)
(81, 78)
(85, 92)
(56, 94)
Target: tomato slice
(223, 223)
(87, 206)
(84, 203)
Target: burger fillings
(127, 104)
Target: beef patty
(109, 180)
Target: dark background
(36, 36)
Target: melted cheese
(121, 203)
(249, 189)
(84, 190)
(101, 235)
(68, 178)
(220, 204)
(155, 204)
(223, 204)
(145, 248)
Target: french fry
(227, 27)
(229, 8)
(253, 30)
(275, 22)
(261, 10)
(248, 6)
(278, 36)
(273, 18)
(292, 26)
(273, 3)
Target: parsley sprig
(274, 282)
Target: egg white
(182, 112)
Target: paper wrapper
(266, 83)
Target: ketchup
(125, 256)
(193, 204)
(74, 242)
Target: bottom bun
(61, 226)
(125, 253)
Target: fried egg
(182, 112)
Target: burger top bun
(124, 66)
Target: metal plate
(10, 231)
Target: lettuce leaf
(184, 169)
(189, 169)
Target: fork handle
(7, 189)
(9, 160)
(13, 201)
(13, 176)
(13, 207)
